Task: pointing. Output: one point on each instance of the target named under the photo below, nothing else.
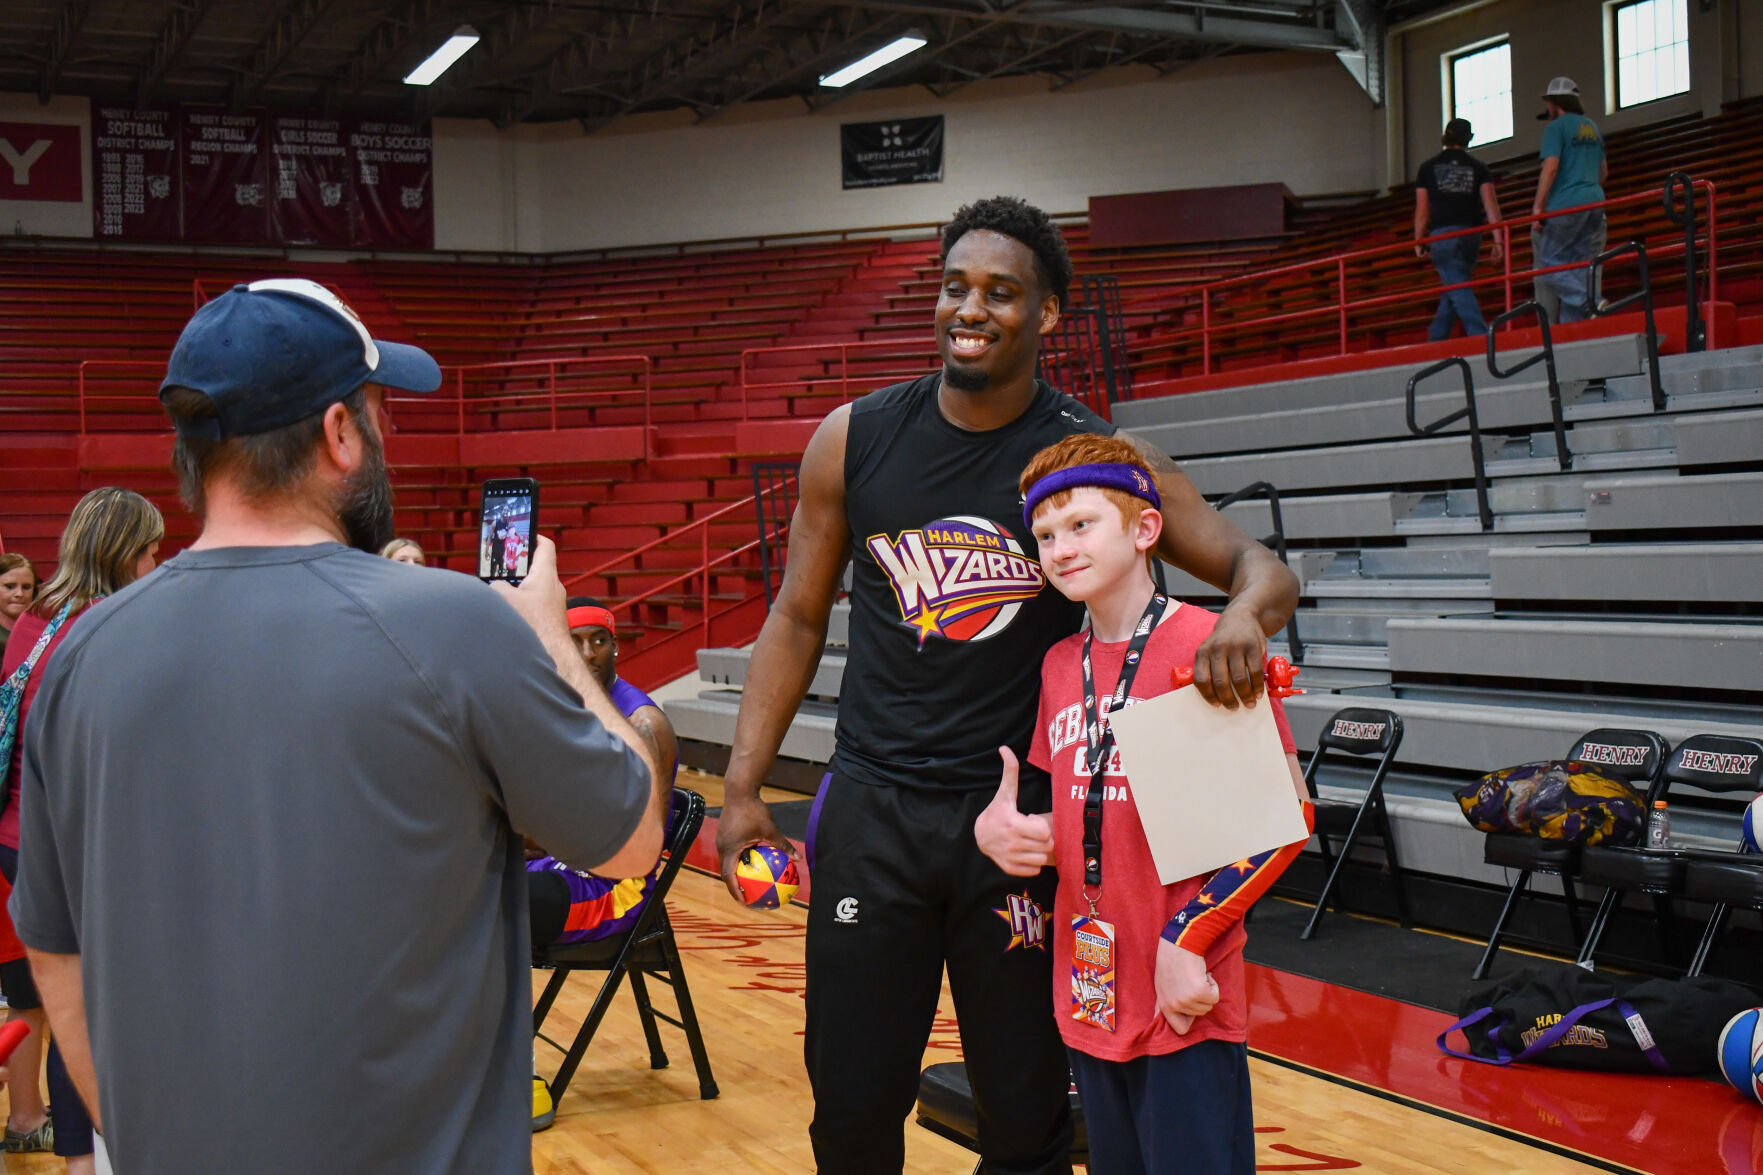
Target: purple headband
(1130, 478)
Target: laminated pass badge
(1092, 971)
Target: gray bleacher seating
(1620, 592)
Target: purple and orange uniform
(598, 907)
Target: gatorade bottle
(1658, 827)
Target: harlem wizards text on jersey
(950, 611)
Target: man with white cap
(273, 795)
(1573, 174)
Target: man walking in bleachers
(1455, 190)
(1574, 171)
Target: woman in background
(18, 589)
(111, 539)
(404, 551)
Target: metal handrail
(1266, 489)
(771, 477)
(1680, 187)
(843, 379)
(1644, 296)
(1335, 267)
(1546, 357)
(1484, 508)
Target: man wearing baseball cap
(1455, 191)
(273, 795)
(1573, 174)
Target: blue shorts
(1188, 1112)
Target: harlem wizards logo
(961, 578)
(1028, 922)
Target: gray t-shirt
(273, 797)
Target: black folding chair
(945, 1108)
(1637, 756)
(1359, 732)
(647, 949)
(1726, 879)
(1714, 763)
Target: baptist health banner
(208, 174)
(905, 151)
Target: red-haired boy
(1148, 978)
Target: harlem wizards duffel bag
(1578, 1019)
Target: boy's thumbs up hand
(1020, 845)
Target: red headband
(587, 614)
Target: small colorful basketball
(1740, 1053)
(1753, 833)
(767, 877)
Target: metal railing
(1546, 356)
(123, 394)
(1680, 209)
(703, 573)
(1644, 296)
(843, 380)
(773, 505)
(1484, 509)
(1276, 540)
(1335, 270)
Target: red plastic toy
(1281, 677)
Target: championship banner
(135, 175)
(392, 164)
(225, 197)
(40, 161)
(208, 174)
(877, 154)
(309, 170)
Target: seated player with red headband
(1149, 985)
(568, 905)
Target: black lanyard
(1101, 739)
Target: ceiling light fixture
(442, 59)
(863, 66)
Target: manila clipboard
(1212, 786)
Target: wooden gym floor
(1343, 1081)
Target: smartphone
(507, 514)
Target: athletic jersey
(1200, 914)
(599, 907)
(950, 611)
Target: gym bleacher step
(1411, 589)
(729, 667)
(1728, 571)
(710, 718)
(1465, 729)
(1648, 650)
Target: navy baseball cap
(282, 350)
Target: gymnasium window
(1652, 50)
(1481, 90)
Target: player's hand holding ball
(1185, 988)
(767, 877)
(1019, 844)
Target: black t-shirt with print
(1453, 180)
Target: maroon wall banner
(225, 197)
(311, 203)
(393, 165)
(206, 174)
(135, 174)
(40, 161)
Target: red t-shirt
(25, 633)
(1129, 876)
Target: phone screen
(505, 540)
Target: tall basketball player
(916, 485)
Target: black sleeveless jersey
(950, 611)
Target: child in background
(1148, 978)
